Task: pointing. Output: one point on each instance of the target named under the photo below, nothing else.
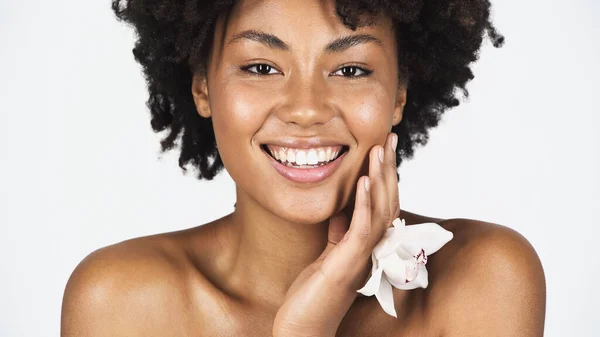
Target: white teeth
(281, 156)
(312, 158)
(301, 157)
(322, 156)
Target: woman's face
(290, 74)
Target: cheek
(368, 114)
(237, 113)
(238, 105)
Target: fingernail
(380, 154)
(395, 142)
(367, 184)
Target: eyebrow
(268, 40)
(343, 43)
(335, 46)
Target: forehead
(300, 22)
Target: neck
(269, 252)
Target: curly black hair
(437, 41)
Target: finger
(371, 214)
(380, 198)
(360, 227)
(390, 175)
(338, 227)
(353, 246)
(355, 240)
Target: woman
(310, 106)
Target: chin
(305, 218)
(306, 210)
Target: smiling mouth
(305, 158)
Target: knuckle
(386, 216)
(396, 212)
(383, 208)
(363, 234)
(381, 173)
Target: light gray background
(79, 166)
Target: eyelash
(365, 71)
(248, 67)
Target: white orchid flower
(399, 260)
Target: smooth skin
(289, 259)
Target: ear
(200, 94)
(400, 103)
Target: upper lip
(304, 143)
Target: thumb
(338, 227)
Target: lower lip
(306, 175)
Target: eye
(260, 69)
(352, 71)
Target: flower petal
(385, 296)
(409, 249)
(392, 237)
(429, 236)
(394, 269)
(375, 263)
(399, 223)
(399, 260)
(420, 281)
(373, 284)
(387, 245)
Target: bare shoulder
(136, 287)
(488, 280)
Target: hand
(321, 295)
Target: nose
(306, 102)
